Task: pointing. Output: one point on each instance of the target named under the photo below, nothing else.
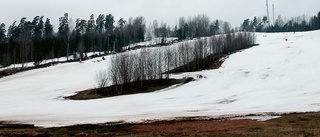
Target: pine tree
(121, 32)
(64, 32)
(24, 40)
(48, 29)
(186, 31)
(12, 32)
(49, 39)
(121, 23)
(2, 33)
(90, 33)
(80, 30)
(90, 25)
(100, 29)
(38, 25)
(100, 23)
(35, 22)
(3, 40)
(64, 25)
(216, 27)
(139, 28)
(245, 25)
(81, 26)
(226, 27)
(109, 23)
(38, 54)
(109, 27)
(319, 20)
(265, 19)
(254, 24)
(11, 36)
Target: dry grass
(291, 125)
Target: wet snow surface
(277, 76)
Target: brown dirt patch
(127, 89)
(196, 126)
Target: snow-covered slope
(276, 76)
(148, 43)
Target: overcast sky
(233, 11)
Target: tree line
(300, 23)
(35, 40)
(191, 27)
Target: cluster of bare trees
(136, 67)
(201, 53)
(131, 67)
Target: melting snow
(277, 76)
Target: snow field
(277, 76)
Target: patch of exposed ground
(129, 88)
(191, 127)
(293, 125)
